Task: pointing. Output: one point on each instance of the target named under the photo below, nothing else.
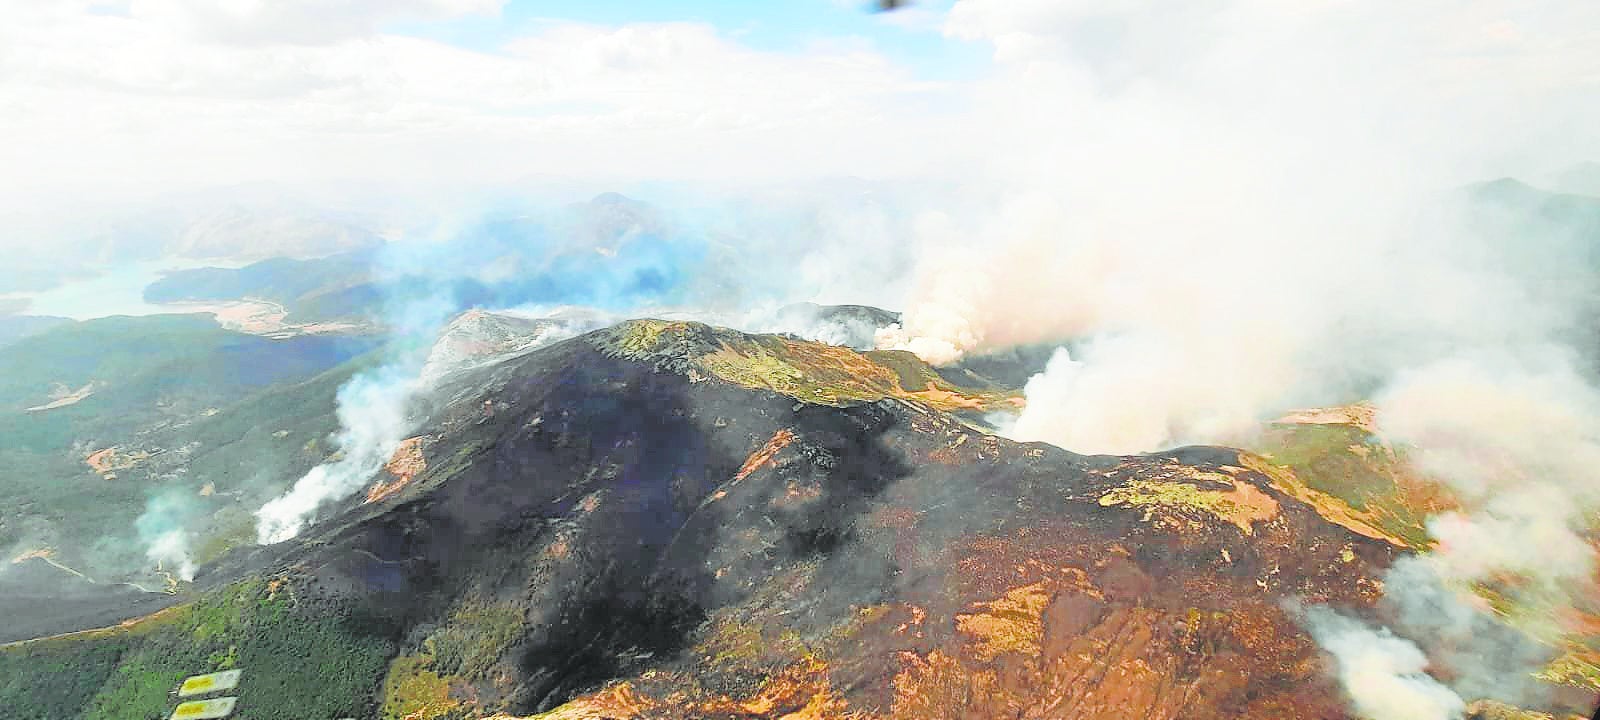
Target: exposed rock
(108, 461)
(476, 336)
(61, 397)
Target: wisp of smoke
(1484, 657)
(162, 529)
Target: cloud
(173, 95)
(297, 22)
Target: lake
(115, 291)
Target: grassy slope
(807, 371)
(302, 659)
(1355, 479)
(1353, 468)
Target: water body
(115, 291)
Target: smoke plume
(162, 529)
(1236, 209)
(373, 420)
(1385, 675)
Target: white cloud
(172, 93)
(308, 22)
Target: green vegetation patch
(1241, 505)
(56, 678)
(808, 371)
(1350, 464)
(215, 421)
(310, 660)
(474, 637)
(413, 691)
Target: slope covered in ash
(667, 520)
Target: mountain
(607, 250)
(16, 327)
(222, 225)
(1518, 201)
(666, 519)
(1534, 227)
(1579, 179)
(53, 245)
(337, 286)
(240, 231)
(849, 325)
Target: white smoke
(1485, 657)
(163, 529)
(808, 322)
(1385, 676)
(170, 551)
(373, 420)
(1232, 209)
(376, 415)
(1515, 433)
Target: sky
(100, 98)
(139, 93)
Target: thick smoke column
(1385, 675)
(373, 420)
(1237, 208)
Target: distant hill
(337, 286)
(610, 252)
(1579, 179)
(1512, 201)
(16, 327)
(220, 227)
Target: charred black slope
(571, 486)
